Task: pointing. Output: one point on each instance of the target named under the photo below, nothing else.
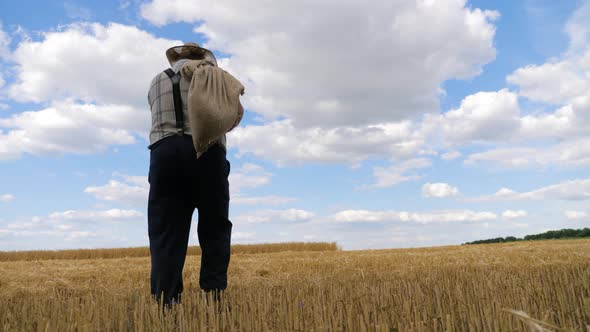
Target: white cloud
(4, 55)
(451, 155)
(578, 29)
(439, 190)
(132, 190)
(252, 176)
(282, 142)
(513, 214)
(552, 82)
(556, 138)
(564, 80)
(64, 227)
(575, 215)
(268, 216)
(70, 225)
(242, 235)
(261, 200)
(571, 153)
(80, 234)
(5, 198)
(95, 215)
(348, 216)
(4, 44)
(564, 123)
(396, 174)
(65, 234)
(365, 63)
(248, 176)
(496, 117)
(110, 64)
(95, 79)
(483, 116)
(67, 127)
(573, 190)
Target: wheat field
(546, 284)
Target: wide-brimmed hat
(189, 51)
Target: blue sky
(375, 126)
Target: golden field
(452, 288)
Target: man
(179, 183)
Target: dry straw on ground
(500, 287)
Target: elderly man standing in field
(179, 183)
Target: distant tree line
(566, 233)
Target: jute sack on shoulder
(213, 102)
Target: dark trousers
(179, 183)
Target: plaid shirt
(161, 103)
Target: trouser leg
(214, 238)
(169, 221)
(169, 228)
(214, 228)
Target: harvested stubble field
(454, 288)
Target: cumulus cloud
(284, 143)
(349, 216)
(438, 190)
(483, 116)
(553, 82)
(4, 44)
(268, 216)
(64, 234)
(129, 190)
(67, 127)
(94, 78)
(398, 173)
(496, 117)
(365, 64)
(5, 198)
(69, 225)
(249, 176)
(563, 80)
(331, 114)
(578, 29)
(252, 176)
(4, 53)
(134, 190)
(451, 155)
(513, 214)
(105, 64)
(261, 200)
(95, 215)
(571, 153)
(242, 235)
(575, 215)
(573, 190)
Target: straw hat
(189, 51)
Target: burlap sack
(213, 102)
